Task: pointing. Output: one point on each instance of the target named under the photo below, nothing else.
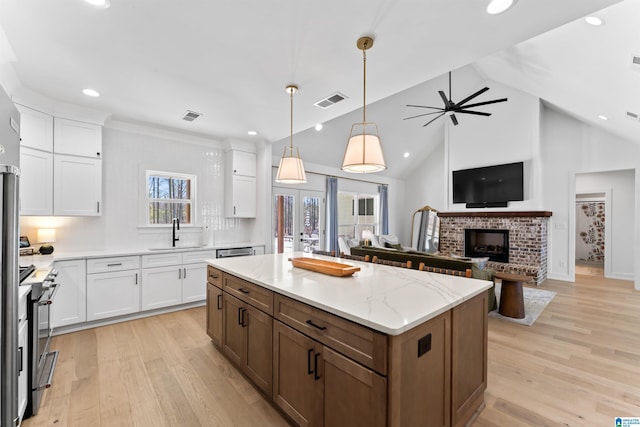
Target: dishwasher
(233, 252)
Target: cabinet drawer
(357, 342)
(160, 260)
(103, 265)
(198, 256)
(255, 295)
(214, 276)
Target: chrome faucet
(175, 222)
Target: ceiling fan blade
(421, 115)
(470, 97)
(454, 120)
(444, 98)
(432, 120)
(477, 113)
(425, 106)
(494, 101)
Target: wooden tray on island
(325, 267)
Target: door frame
(299, 194)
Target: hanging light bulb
(291, 169)
(364, 149)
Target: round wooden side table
(511, 296)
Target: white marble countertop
(388, 299)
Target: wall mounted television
(490, 186)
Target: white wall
(128, 150)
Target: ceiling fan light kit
(452, 108)
(363, 153)
(291, 169)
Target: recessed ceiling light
(252, 132)
(499, 6)
(406, 155)
(601, 117)
(318, 127)
(99, 3)
(594, 20)
(90, 92)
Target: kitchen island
(385, 347)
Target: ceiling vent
(190, 116)
(633, 116)
(330, 100)
(635, 62)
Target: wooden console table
(511, 295)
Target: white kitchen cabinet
(36, 129)
(71, 298)
(77, 138)
(161, 287)
(36, 185)
(23, 355)
(240, 184)
(77, 186)
(113, 287)
(194, 282)
(258, 250)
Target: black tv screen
(489, 186)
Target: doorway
(298, 220)
(591, 219)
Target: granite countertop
(388, 299)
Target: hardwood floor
(578, 365)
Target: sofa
(438, 261)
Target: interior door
(298, 220)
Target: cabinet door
(77, 186)
(70, 305)
(112, 294)
(241, 162)
(259, 348)
(258, 250)
(36, 129)
(214, 314)
(23, 367)
(194, 285)
(353, 395)
(77, 138)
(296, 387)
(36, 182)
(161, 287)
(233, 332)
(243, 200)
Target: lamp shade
(364, 150)
(291, 169)
(46, 235)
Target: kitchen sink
(171, 248)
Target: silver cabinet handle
(98, 207)
(136, 278)
(115, 264)
(184, 275)
(53, 368)
(179, 273)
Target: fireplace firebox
(487, 243)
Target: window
(170, 195)
(357, 213)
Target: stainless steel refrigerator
(9, 205)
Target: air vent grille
(190, 116)
(330, 100)
(633, 116)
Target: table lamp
(46, 236)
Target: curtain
(383, 190)
(332, 214)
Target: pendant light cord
(291, 123)
(364, 84)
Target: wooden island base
(322, 370)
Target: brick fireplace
(526, 234)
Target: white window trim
(144, 211)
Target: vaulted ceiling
(152, 60)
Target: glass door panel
(298, 220)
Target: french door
(298, 220)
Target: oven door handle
(53, 368)
(50, 299)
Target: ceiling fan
(451, 108)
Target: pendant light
(364, 149)
(291, 169)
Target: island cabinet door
(296, 385)
(214, 314)
(353, 395)
(233, 336)
(259, 347)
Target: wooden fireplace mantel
(494, 214)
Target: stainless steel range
(41, 359)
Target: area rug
(535, 301)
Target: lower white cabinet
(161, 286)
(258, 250)
(113, 294)
(71, 298)
(194, 282)
(23, 366)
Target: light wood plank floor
(578, 365)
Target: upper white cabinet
(240, 184)
(77, 186)
(36, 185)
(36, 129)
(77, 138)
